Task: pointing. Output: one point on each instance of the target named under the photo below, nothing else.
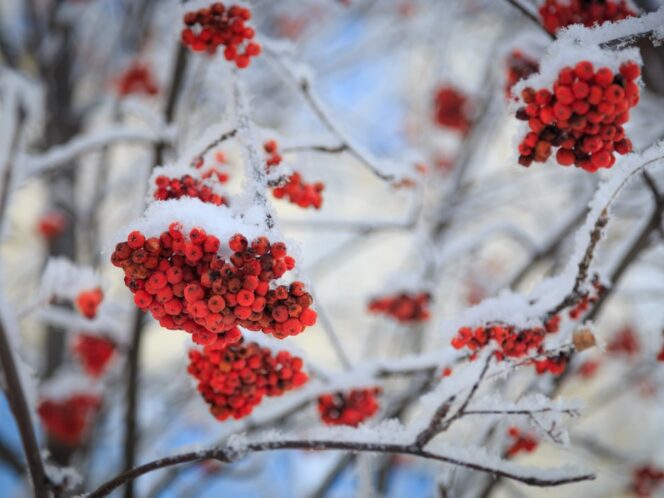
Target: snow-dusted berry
(404, 307)
(94, 353)
(519, 67)
(88, 301)
(557, 14)
(69, 420)
(221, 26)
(522, 442)
(186, 186)
(452, 109)
(348, 408)
(186, 284)
(233, 379)
(581, 118)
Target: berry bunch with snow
(582, 116)
(137, 79)
(351, 408)
(522, 442)
(68, 420)
(234, 378)
(404, 307)
(174, 182)
(94, 352)
(213, 171)
(557, 14)
(452, 109)
(183, 278)
(219, 25)
(513, 342)
(295, 189)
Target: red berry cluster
(523, 442)
(588, 369)
(88, 301)
(350, 408)
(403, 307)
(452, 109)
(660, 355)
(625, 342)
(513, 342)
(555, 365)
(94, 352)
(217, 25)
(294, 189)
(646, 480)
(519, 67)
(586, 300)
(52, 224)
(68, 420)
(213, 172)
(186, 186)
(582, 117)
(234, 378)
(298, 192)
(557, 14)
(137, 79)
(187, 285)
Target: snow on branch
(60, 155)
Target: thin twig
(222, 138)
(517, 4)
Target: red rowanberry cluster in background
(88, 301)
(519, 67)
(350, 408)
(625, 342)
(513, 343)
(218, 25)
(186, 186)
(558, 14)
(68, 420)
(582, 117)
(646, 480)
(137, 79)
(213, 171)
(588, 369)
(94, 353)
(52, 224)
(234, 378)
(294, 189)
(523, 442)
(660, 355)
(403, 307)
(187, 285)
(452, 109)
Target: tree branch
(230, 454)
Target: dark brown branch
(324, 149)
(7, 457)
(229, 454)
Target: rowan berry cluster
(94, 353)
(218, 25)
(137, 79)
(186, 186)
(625, 342)
(52, 224)
(523, 442)
(294, 189)
(554, 365)
(403, 307)
(646, 480)
(68, 420)
(452, 109)
(660, 355)
(187, 285)
(588, 369)
(351, 408)
(234, 378)
(519, 67)
(582, 117)
(213, 171)
(513, 343)
(557, 14)
(88, 301)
